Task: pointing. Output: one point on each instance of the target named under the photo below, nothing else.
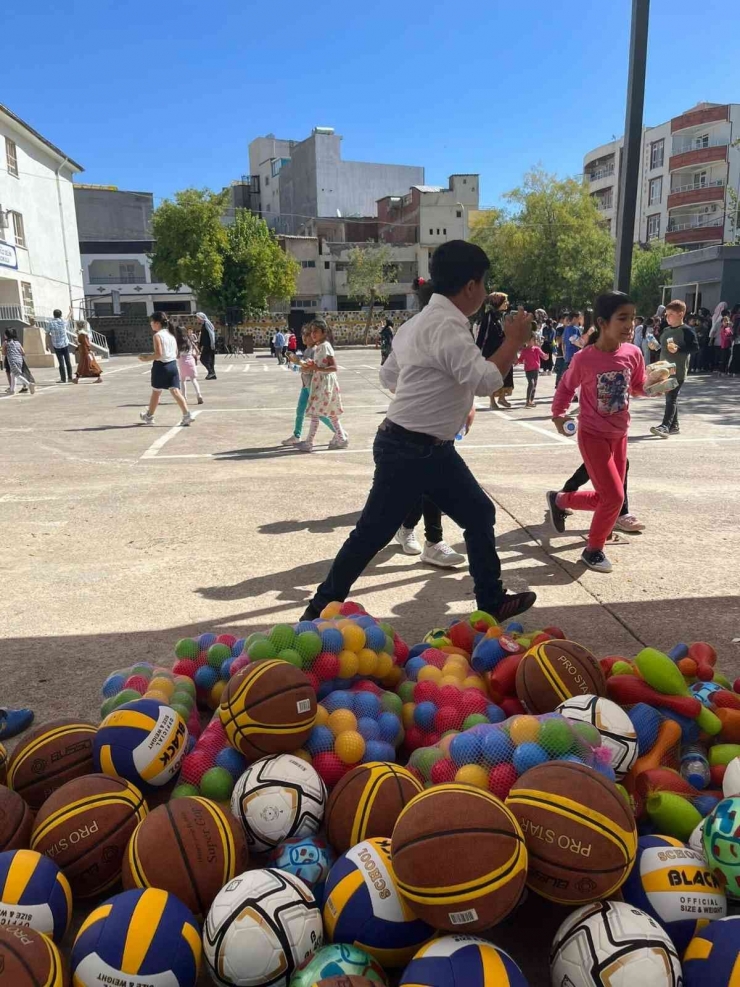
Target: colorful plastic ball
(137, 682)
(413, 666)
(217, 784)
(282, 636)
(445, 740)
(237, 647)
(326, 666)
(232, 761)
(465, 748)
(184, 669)
(496, 747)
(472, 774)
(429, 673)
(217, 655)
(529, 755)
(126, 696)
(350, 746)
(319, 741)
(524, 729)
(408, 713)
(186, 648)
(339, 699)
(331, 610)
(501, 778)
(307, 644)
(183, 697)
(108, 706)
(375, 638)
(160, 697)
(494, 713)
(443, 772)
(332, 640)
(205, 678)
(194, 766)
(514, 627)
(389, 727)
(447, 718)
(391, 703)
(366, 704)
(353, 636)
(379, 750)
(367, 662)
(183, 790)
(556, 737)
(330, 768)
(206, 640)
(368, 728)
(349, 664)
(587, 732)
(474, 720)
(262, 650)
(214, 696)
(424, 715)
(113, 684)
(305, 625)
(487, 655)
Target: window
(701, 140)
(18, 229)
(700, 179)
(655, 191)
(341, 265)
(267, 180)
(459, 214)
(327, 265)
(444, 232)
(437, 231)
(27, 291)
(268, 207)
(431, 232)
(653, 226)
(11, 156)
(308, 263)
(127, 273)
(657, 153)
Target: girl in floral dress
(325, 400)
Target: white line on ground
(246, 368)
(550, 433)
(47, 387)
(229, 368)
(154, 448)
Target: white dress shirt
(435, 369)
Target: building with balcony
(40, 268)
(115, 244)
(688, 165)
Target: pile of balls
(147, 681)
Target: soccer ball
(611, 944)
(276, 798)
(260, 928)
(617, 733)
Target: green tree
(369, 269)
(647, 276)
(550, 247)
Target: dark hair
(321, 324)
(164, 322)
(588, 318)
(604, 308)
(183, 345)
(424, 289)
(11, 334)
(57, 313)
(455, 263)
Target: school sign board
(8, 256)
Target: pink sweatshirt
(606, 381)
(531, 356)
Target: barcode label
(463, 918)
(303, 706)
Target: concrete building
(40, 267)
(302, 180)
(115, 241)
(704, 277)
(688, 165)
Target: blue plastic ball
(494, 713)
(338, 699)
(497, 747)
(225, 670)
(342, 685)
(332, 640)
(514, 627)
(364, 621)
(366, 704)
(234, 762)
(424, 715)
(528, 756)
(378, 750)
(413, 666)
(206, 640)
(605, 769)
(466, 748)
(368, 728)
(389, 727)
(487, 655)
(417, 650)
(304, 625)
(113, 684)
(325, 690)
(319, 741)
(375, 637)
(237, 647)
(190, 743)
(206, 677)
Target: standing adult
(56, 334)
(207, 345)
(280, 344)
(677, 343)
(438, 370)
(87, 365)
(715, 336)
(490, 337)
(548, 338)
(385, 337)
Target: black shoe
(674, 430)
(662, 431)
(596, 560)
(311, 613)
(513, 604)
(557, 514)
(211, 377)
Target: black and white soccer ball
(612, 944)
(277, 798)
(616, 729)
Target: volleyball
(143, 742)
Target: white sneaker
(32, 387)
(187, 419)
(441, 555)
(292, 440)
(406, 538)
(305, 447)
(337, 443)
(146, 418)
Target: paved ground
(120, 539)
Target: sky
(162, 95)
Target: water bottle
(570, 427)
(694, 765)
(461, 434)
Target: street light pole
(630, 169)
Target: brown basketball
(190, 847)
(459, 858)
(3, 766)
(554, 671)
(367, 803)
(268, 708)
(85, 826)
(48, 757)
(16, 821)
(29, 959)
(579, 829)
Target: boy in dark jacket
(677, 343)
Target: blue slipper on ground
(14, 721)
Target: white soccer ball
(611, 944)
(731, 779)
(617, 733)
(277, 798)
(260, 928)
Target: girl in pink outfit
(531, 356)
(607, 371)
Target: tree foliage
(370, 268)
(550, 247)
(647, 276)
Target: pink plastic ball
(238, 664)
(226, 639)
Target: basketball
(363, 906)
(137, 938)
(190, 847)
(29, 959)
(460, 858)
(16, 821)
(84, 828)
(367, 802)
(48, 757)
(35, 893)
(268, 708)
(462, 961)
(143, 742)
(3, 766)
(551, 672)
(579, 830)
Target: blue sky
(163, 95)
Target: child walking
(14, 356)
(325, 397)
(164, 369)
(607, 370)
(306, 377)
(531, 356)
(187, 356)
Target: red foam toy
(628, 690)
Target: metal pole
(630, 169)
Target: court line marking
(48, 386)
(550, 433)
(154, 448)
(270, 451)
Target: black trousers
(208, 359)
(432, 520)
(406, 467)
(581, 477)
(670, 415)
(532, 376)
(65, 366)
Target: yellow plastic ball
(368, 662)
(385, 664)
(446, 740)
(393, 677)
(472, 774)
(524, 729)
(455, 672)
(322, 715)
(331, 610)
(344, 622)
(341, 720)
(303, 755)
(452, 680)
(214, 696)
(407, 714)
(349, 664)
(162, 684)
(322, 625)
(459, 660)
(474, 682)
(349, 747)
(354, 637)
(429, 673)
(157, 695)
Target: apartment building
(689, 170)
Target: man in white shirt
(436, 370)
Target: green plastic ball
(144, 670)
(182, 698)
(184, 711)
(184, 791)
(556, 737)
(187, 648)
(307, 644)
(125, 696)
(587, 732)
(108, 706)
(291, 655)
(406, 691)
(262, 650)
(217, 784)
(391, 703)
(257, 636)
(388, 644)
(217, 654)
(474, 720)
(478, 616)
(386, 629)
(185, 684)
(282, 636)
(424, 759)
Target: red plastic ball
(330, 768)
(433, 656)
(314, 680)
(448, 718)
(365, 685)
(511, 706)
(705, 673)
(473, 701)
(736, 685)
(194, 726)
(194, 766)
(350, 608)
(326, 666)
(400, 650)
(415, 738)
(137, 682)
(716, 774)
(443, 772)
(553, 631)
(226, 639)
(427, 692)
(450, 695)
(431, 738)
(501, 779)
(201, 660)
(185, 666)
(238, 664)
(540, 639)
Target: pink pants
(605, 458)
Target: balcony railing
(602, 203)
(11, 312)
(694, 222)
(121, 279)
(694, 186)
(595, 176)
(683, 144)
